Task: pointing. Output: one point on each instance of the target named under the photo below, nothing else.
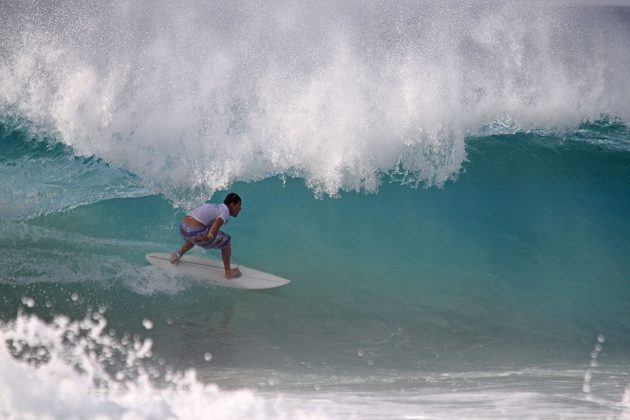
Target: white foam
(339, 93)
(78, 369)
(57, 371)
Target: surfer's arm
(212, 232)
(215, 227)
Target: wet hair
(231, 198)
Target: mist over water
(193, 97)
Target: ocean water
(447, 185)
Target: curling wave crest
(338, 93)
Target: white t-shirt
(207, 213)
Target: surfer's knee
(224, 241)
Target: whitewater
(446, 184)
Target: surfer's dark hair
(231, 198)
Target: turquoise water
(518, 264)
(451, 207)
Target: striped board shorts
(189, 233)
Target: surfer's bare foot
(175, 258)
(232, 273)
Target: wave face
(196, 98)
(531, 240)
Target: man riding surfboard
(201, 227)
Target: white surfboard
(212, 272)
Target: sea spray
(68, 368)
(192, 100)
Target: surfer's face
(234, 208)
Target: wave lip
(43, 178)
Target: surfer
(201, 227)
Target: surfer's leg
(226, 253)
(188, 234)
(184, 249)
